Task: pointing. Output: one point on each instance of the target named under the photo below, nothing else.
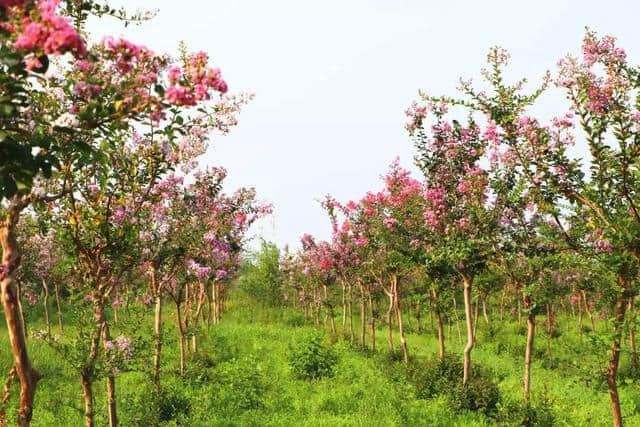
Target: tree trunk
(157, 352)
(21, 310)
(589, 314)
(87, 395)
(550, 328)
(390, 321)
(45, 303)
(111, 384)
(344, 309)
(476, 313)
(484, 310)
(632, 338)
(86, 375)
(614, 361)
(363, 317)
(470, 334)
(180, 339)
(350, 313)
(56, 287)
(436, 309)
(27, 375)
(455, 313)
(396, 298)
(372, 322)
(580, 315)
(531, 330)
(329, 309)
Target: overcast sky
(332, 79)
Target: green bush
(434, 377)
(514, 413)
(480, 394)
(310, 359)
(147, 406)
(199, 368)
(444, 378)
(242, 386)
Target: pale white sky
(332, 79)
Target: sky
(332, 80)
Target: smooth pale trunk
(475, 318)
(157, 352)
(58, 306)
(111, 384)
(396, 300)
(531, 330)
(363, 321)
(436, 309)
(27, 375)
(87, 396)
(344, 309)
(329, 309)
(588, 310)
(614, 361)
(372, 322)
(45, 303)
(350, 313)
(550, 328)
(86, 376)
(457, 319)
(632, 339)
(390, 321)
(470, 335)
(580, 315)
(180, 339)
(484, 311)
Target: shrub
(311, 359)
(480, 394)
(444, 377)
(242, 386)
(198, 370)
(148, 406)
(434, 377)
(515, 413)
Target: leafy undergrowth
(264, 367)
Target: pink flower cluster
(416, 113)
(12, 3)
(195, 82)
(200, 271)
(49, 32)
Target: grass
(242, 378)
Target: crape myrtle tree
(99, 135)
(319, 262)
(346, 262)
(99, 214)
(461, 220)
(31, 32)
(210, 232)
(39, 269)
(58, 125)
(601, 189)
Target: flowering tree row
(503, 209)
(96, 140)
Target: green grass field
(241, 376)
